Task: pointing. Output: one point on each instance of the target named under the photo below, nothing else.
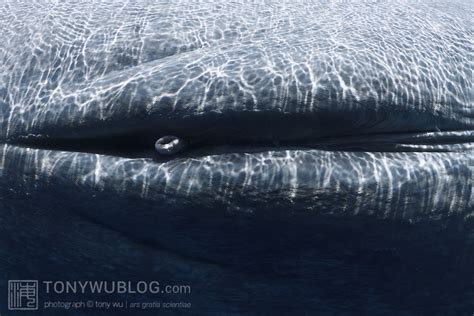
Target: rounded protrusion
(169, 145)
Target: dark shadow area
(260, 263)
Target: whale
(169, 139)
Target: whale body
(297, 114)
(276, 89)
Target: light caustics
(358, 107)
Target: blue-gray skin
(345, 109)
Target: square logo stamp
(22, 294)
